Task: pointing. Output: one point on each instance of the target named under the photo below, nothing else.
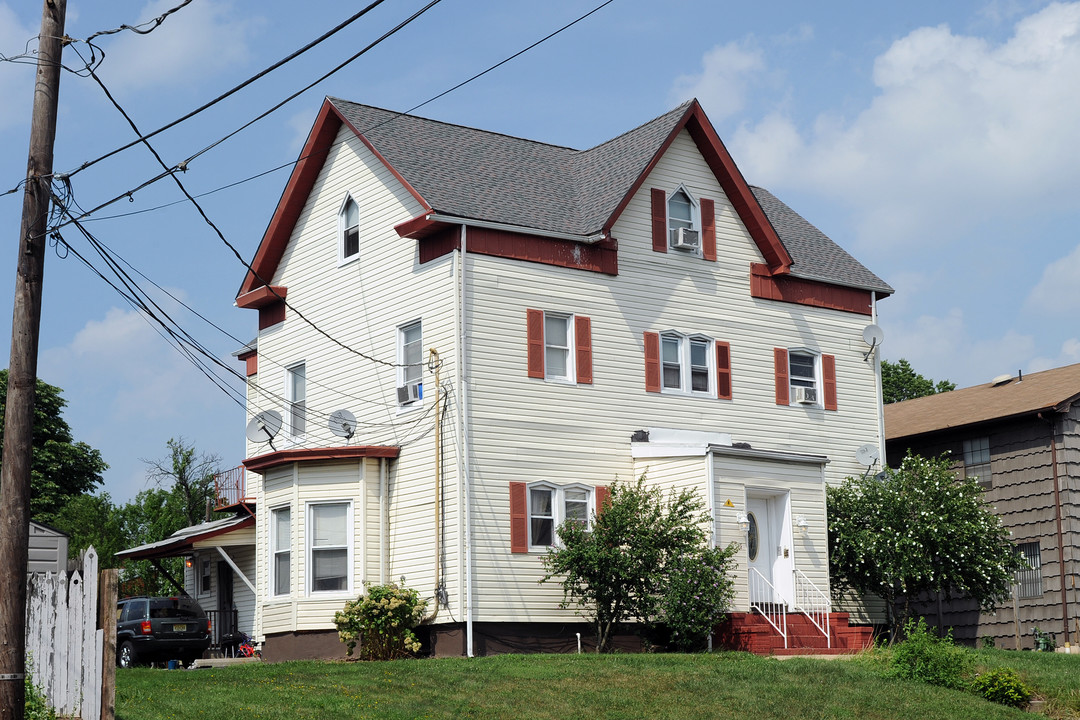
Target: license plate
(179, 628)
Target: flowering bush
(698, 593)
(381, 622)
(1002, 686)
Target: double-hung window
(329, 549)
(552, 505)
(281, 551)
(349, 230)
(687, 363)
(977, 461)
(204, 576)
(296, 399)
(559, 346)
(680, 212)
(805, 377)
(411, 359)
(803, 374)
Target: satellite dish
(263, 427)
(872, 335)
(342, 423)
(867, 454)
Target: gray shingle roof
(482, 175)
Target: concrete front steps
(753, 633)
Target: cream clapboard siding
(527, 430)
(734, 478)
(361, 304)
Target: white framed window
(348, 230)
(552, 505)
(204, 576)
(280, 551)
(804, 373)
(1029, 580)
(684, 232)
(558, 343)
(411, 364)
(296, 399)
(329, 547)
(977, 461)
(687, 365)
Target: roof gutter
(506, 227)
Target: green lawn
(719, 685)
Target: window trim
(695, 219)
(685, 344)
(273, 534)
(1034, 573)
(558, 509)
(309, 548)
(402, 370)
(571, 344)
(579, 354)
(818, 384)
(291, 402)
(344, 259)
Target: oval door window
(752, 537)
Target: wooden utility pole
(22, 370)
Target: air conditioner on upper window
(409, 393)
(687, 239)
(805, 395)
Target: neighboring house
(511, 326)
(1020, 436)
(47, 550)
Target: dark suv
(159, 629)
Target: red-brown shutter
(780, 361)
(708, 229)
(828, 370)
(652, 362)
(534, 321)
(723, 370)
(519, 518)
(583, 349)
(659, 220)
(603, 497)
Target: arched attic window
(349, 230)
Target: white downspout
(463, 438)
(710, 503)
(880, 394)
(384, 522)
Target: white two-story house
(465, 338)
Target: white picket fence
(63, 640)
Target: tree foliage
(189, 475)
(899, 381)
(622, 567)
(61, 468)
(918, 530)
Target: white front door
(760, 549)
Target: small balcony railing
(223, 628)
(230, 488)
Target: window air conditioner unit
(687, 239)
(805, 395)
(409, 393)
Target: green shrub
(924, 657)
(1002, 685)
(697, 596)
(381, 622)
(36, 706)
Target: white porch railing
(812, 602)
(774, 610)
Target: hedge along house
(466, 337)
(1020, 437)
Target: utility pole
(22, 370)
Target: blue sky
(937, 142)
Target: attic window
(682, 233)
(349, 224)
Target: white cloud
(16, 79)
(1068, 354)
(961, 132)
(199, 40)
(722, 84)
(1057, 291)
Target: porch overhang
(183, 541)
(271, 460)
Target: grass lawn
(719, 685)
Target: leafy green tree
(621, 568)
(918, 530)
(94, 520)
(61, 468)
(899, 381)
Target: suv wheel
(127, 658)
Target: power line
(232, 91)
